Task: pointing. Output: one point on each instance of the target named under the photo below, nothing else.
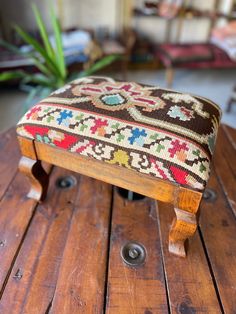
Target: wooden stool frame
(185, 201)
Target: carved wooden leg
(183, 227)
(38, 177)
(186, 205)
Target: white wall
(20, 12)
(90, 13)
(73, 13)
(105, 13)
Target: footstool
(153, 141)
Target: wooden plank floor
(63, 256)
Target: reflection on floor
(213, 84)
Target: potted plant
(52, 72)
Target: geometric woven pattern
(159, 132)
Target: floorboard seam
(42, 244)
(9, 184)
(18, 250)
(36, 264)
(163, 260)
(224, 190)
(106, 295)
(69, 226)
(211, 270)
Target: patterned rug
(159, 132)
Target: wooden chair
(152, 141)
(121, 46)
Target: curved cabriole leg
(38, 177)
(183, 227)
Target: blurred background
(189, 46)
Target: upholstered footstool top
(158, 132)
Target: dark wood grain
(139, 289)
(41, 252)
(63, 256)
(224, 162)
(230, 133)
(190, 287)
(218, 228)
(228, 146)
(9, 155)
(16, 211)
(81, 282)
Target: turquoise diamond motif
(113, 100)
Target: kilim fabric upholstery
(154, 131)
